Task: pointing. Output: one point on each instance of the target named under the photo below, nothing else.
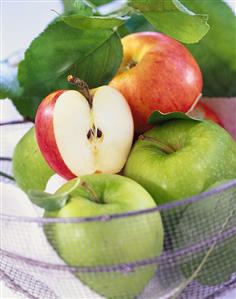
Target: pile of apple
(87, 137)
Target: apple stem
(131, 64)
(82, 87)
(90, 191)
(163, 147)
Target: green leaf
(137, 23)
(100, 2)
(49, 202)
(80, 5)
(77, 6)
(27, 105)
(9, 86)
(95, 22)
(173, 18)
(88, 54)
(216, 52)
(157, 117)
(52, 202)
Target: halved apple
(80, 136)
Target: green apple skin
(204, 153)
(112, 242)
(30, 170)
(203, 220)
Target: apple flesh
(181, 158)
(30, 169)
(157, 73)
(79, 138)
(110, 242)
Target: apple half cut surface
(78, 136)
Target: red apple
(202, 111)
(79, 136)
(157, 73)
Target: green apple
(114, 241)
(30, 170)
(202, 221)
(181, 158)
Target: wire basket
(120, 257)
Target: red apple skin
(166, 77)
(46, 138)
(201, 110)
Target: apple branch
(166, 148)
(82, 87)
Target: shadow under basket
(198, 258)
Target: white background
(21, 21)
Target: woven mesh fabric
(198, 261)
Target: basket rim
(108, 217)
